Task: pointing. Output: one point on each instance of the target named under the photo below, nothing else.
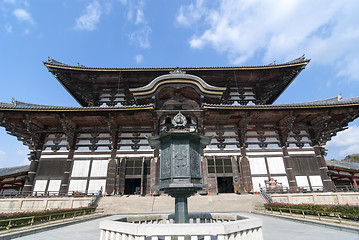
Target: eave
(267, 81)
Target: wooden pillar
(29, 183)
(154, 171)
(236, 182)
(143, 184)
(66, 176)
(246, 176)
(122, 172)
(327, 182)
(289, 168)
(111, 177)
(89, 177)
(204, 166)
(153, 174)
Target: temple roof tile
(330, 102)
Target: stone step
(165, 204)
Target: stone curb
(47, 228)
(307, 221)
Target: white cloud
(139, 58)
(135, 10)
(140, 18)
(8, 28)
(278, 29)
(136, 16)
(345, 143)
(141, 37)
(90, 18)
(23, 16)
(191, 13)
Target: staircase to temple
(165, 204)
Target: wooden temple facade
(102, 144)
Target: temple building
(102, 144)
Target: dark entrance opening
(133, 186)
(225, 184)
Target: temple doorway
(132, 186)
(225, 185)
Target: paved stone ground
(273, 229)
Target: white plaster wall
(211, 147)
(54, 186)
(103, 141)
(272, 146)
(258, 181)
(302, 181)
(271, 133)
(252, 140)
(99, 168)
(125, 148)
(84, 142)
(144, 148)
(80, 168)
(96, 185)
(301, 152)
(104, 135)
(102, 149)
(271, 139)
(234, 147)
(40, 186)
(44, 156)
(83, 149)
(253, 146)
(264, 153)
(283, 180)
(316, 182)
(85, 135)
(276, 165)
(77, 186)
(231, 140)
(257, 165)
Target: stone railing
(9, 205)
(207, 226)
(351, 198)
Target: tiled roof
(345, 165)
(331, 102)
(334, 102)
(17, 105)
(300, 60)
(14, 170)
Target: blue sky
(139, 33)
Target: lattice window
(133, 166)
(219, 165)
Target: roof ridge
(299, 60)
